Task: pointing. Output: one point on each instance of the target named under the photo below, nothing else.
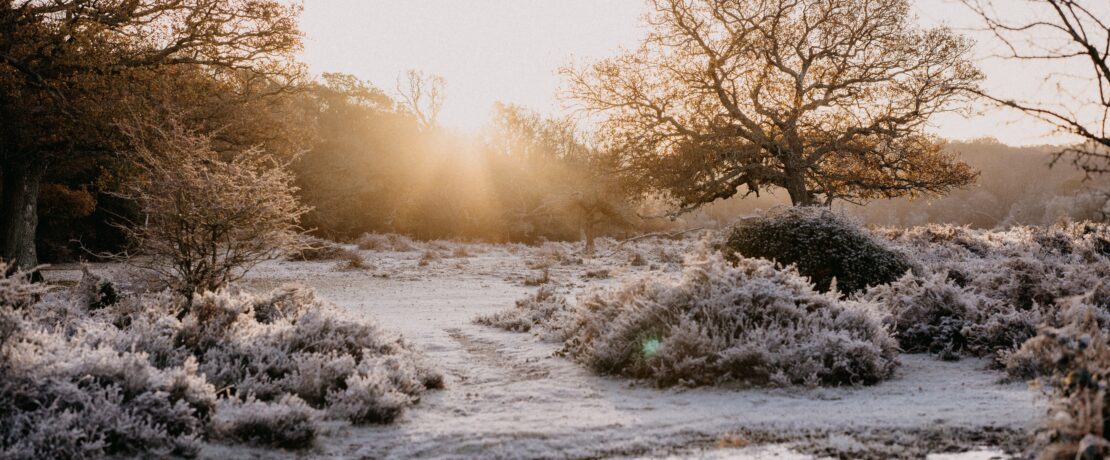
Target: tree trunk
(796, 186)
(588, 237)
(19, 215)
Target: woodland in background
(370, 160)
(376, 163)
(374, 168)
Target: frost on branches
(206, 219)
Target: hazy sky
(509, 50)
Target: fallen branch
(650, 235)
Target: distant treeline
(1016, 185)
(370, 164)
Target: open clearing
(510, 395)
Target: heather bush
(1040, 356)
(1073, 362)
(934, 315)
(94, 292)
(288, 423)
(1025, 267)
(545, 311)
(822, 244)
(427, 258)
(388, 242)
(984, 292)
(351, 260)
(134, 377)
(64, 396)
(302, 347)
(746, 321)
(538, 279)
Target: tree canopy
(68, 68)
(824, 98)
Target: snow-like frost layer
(507, 395)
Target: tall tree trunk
(19, 214)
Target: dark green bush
(822, 244)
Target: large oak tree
(69, 68)
(824, 98)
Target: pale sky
(510, 50)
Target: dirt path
(508, 396)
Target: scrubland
(988, 341)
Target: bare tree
(824, 98)
(422, 95)
(592, 205)
(1067, 32)
(205, 220)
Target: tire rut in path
(489, 353)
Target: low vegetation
(823, 245)
(747, 321)
(967, 293)
(136, 377)
(1072, 361)
(546, 312)
(984, 293)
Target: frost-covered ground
(509, 395)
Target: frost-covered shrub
(822, 244)
(749, 322)
(1073, 361)
(984, 292)
(63, 397)
(1024, 267)
(207, 219)
(551, 254)
(94, 292)
(15, 290)
(1079, 317)
(352, 260)
(136, 378)
(388, 242)
(296, 344)
(935, 315)
(545, 310)
(289, 423)
(538, 279)
(428, 257)
(378, 393)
